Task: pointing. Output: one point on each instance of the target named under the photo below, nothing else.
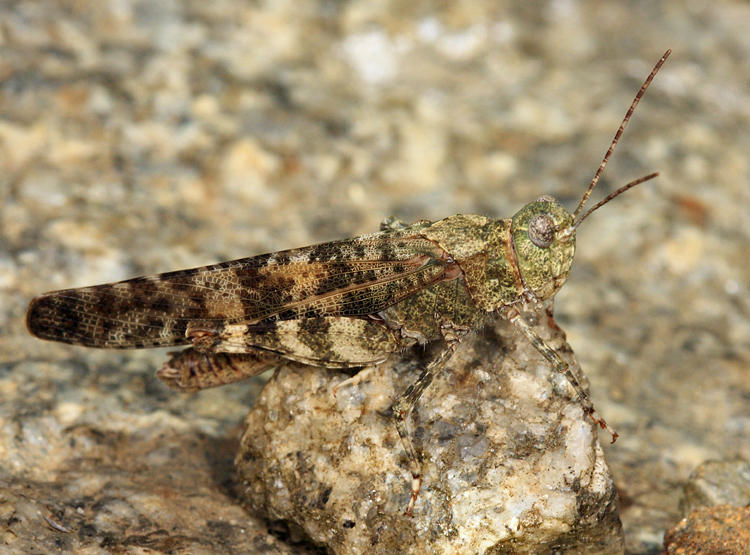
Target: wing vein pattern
(352, 278)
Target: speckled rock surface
(719, 529)
(511, 463)
(140, 137)
(126, 492)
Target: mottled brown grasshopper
(344, 304)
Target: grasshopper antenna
(611, 149)
(613, 195)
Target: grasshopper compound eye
(542, 230)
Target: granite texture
(511, 463)
(141, 137)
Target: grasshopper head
(543, 235)
(544, 239)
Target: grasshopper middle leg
(404, 406)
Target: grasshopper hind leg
(191, 370)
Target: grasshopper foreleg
(561, 367)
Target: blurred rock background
(142, 137)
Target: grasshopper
(343, 304)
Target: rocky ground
(142, 137)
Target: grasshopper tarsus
(416, 483)
(363, 374)
(598, 420)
